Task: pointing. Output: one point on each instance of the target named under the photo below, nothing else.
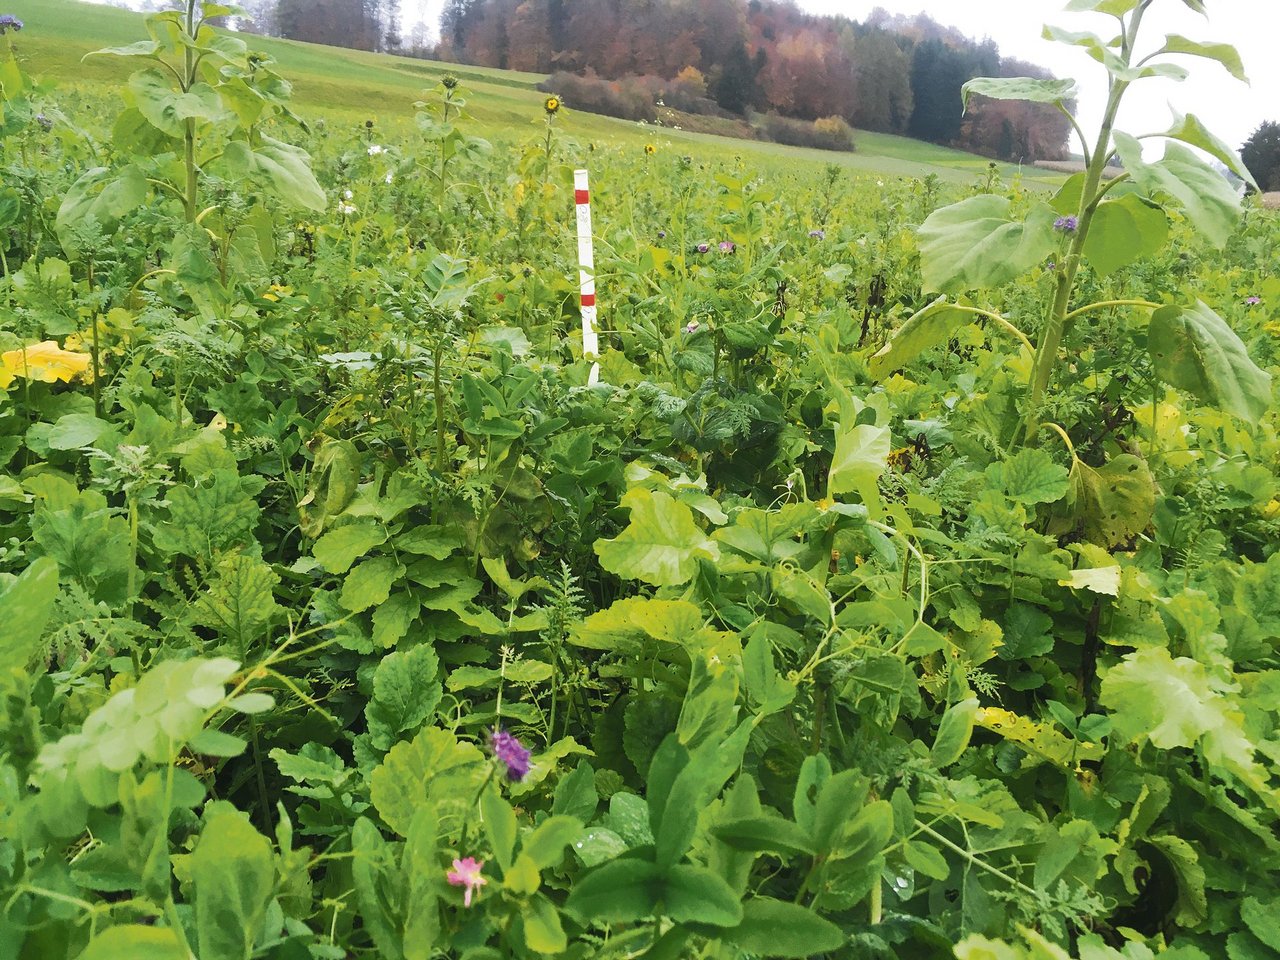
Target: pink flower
(466, 873)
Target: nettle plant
(1105, 221)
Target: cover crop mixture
(907, 586)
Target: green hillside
(355, 85)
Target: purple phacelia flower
(512, 753)
(1253, 301)
(45, 122)
(704, 247)
(1066, 224)
(727, 246)
(818, 234)
(662, 234)
(9, 22)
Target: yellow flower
(551, 105)
(650, 149)
(45, 362)
(275, 292)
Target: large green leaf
(134, 941)
(25, 607)
(1031, 477)
(234, 876)
(406, 690)
(978, 243)
(861, 456)
(620, 891)
(1117, 8)
(1191, 130)
(696, 895)
(775, 928)
(925, 328)
(1193, 349)
(432, 766)
(1204, 193)
(282, 168)
(103, 195)
(1223, 53)
(168, 109)
(1124, 230)
(379, 891)
(343, 546)
(1019, 88)
(661, 545)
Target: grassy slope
(351, 85)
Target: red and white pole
(586, 273)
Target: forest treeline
(893, 74)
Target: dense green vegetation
(906, 586)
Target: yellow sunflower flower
(45, 362)
(551, 105)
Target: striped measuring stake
(586, 272)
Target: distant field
(354, 85)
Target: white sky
(1229, 108)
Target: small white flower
(347, 194)
(346, 209)
(389, 177)
(375, 150)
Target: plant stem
(1051, 340)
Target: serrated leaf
(369, 584)
(343, 546)
(432, 766)
(1263, 920)
(661, 545)
(1193, 349)
(233, 873)
(1032, 477)
(977, 243)
(406, 691)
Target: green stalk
(1051, 340)
(189, 137)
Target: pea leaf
(924, 329)
(1193, 349)
(954, 732)
(133, 940)
(978, 243)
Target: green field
(354, 85)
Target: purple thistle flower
(704, 247)
(1066, 224)
(511, 752)
(1253, 301)
(9, 22)
(662, 234)
(727, 246)
(818, 234)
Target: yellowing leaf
(45, 362)
(1040, 740)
